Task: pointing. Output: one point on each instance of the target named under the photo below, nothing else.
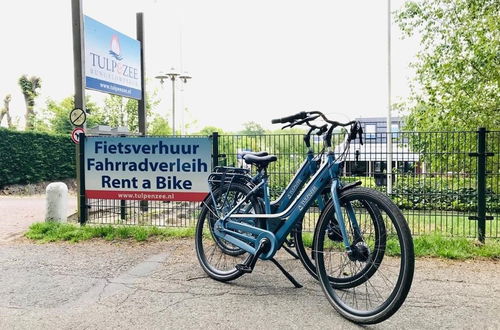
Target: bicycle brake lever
(360, 134)
(322, 130)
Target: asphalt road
(102, 285)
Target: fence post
(215, 149)
(481, 184)
(481, 155)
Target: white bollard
(57, 202)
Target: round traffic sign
(75, 135)
(77, 117)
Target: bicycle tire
(381, 294)
(226, 196)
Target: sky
(249, 60)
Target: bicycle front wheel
(368, 286)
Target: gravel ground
(97, 284)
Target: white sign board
(147, 168)
(112, 60)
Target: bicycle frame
(231, 229)
(305, 172)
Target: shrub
(30, 157)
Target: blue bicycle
(365, 267)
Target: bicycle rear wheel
(368, 289)
(217, 256)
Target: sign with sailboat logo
(112, 60)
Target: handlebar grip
(302, 121)
(289, 119)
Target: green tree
(252, 128)
(457, 82)
(121, 111)
(4, 112)
(208, 130)
(57, 114)
(159, 126)
(118, 112)
(458, 67)
(29, 88)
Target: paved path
(18, 213)
(160, 285)
(100, 285)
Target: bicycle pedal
(244, 268)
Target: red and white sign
(75, 135)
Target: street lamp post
(172, 75)
(389, 106)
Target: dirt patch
(35, 188)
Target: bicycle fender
(350, 185)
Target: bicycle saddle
(255, 153)
(260, 161)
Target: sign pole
(141, 104)
(78, 65)
(82, 200)
(78, 55)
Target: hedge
(30, 157)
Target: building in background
(369, 159)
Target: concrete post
(57, 202)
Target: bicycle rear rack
(226, 174)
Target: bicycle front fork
(340, 217)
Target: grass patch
(432, 245)
(436, 245)
(52, 232)
(425, 222)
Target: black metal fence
(446, 182)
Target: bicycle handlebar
(290, 119)
(333, 122)
(305, 117)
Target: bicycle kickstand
(287, 274)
